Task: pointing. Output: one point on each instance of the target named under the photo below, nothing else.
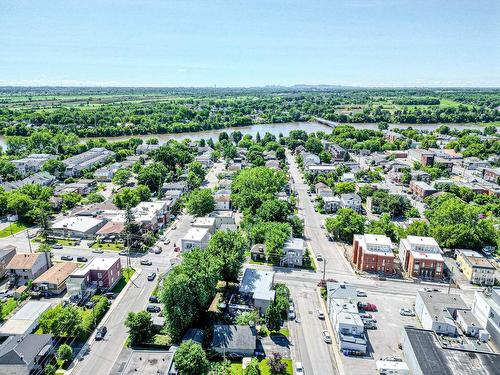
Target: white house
(195, 237)
(258, 285)
(205, 222)
(350, 200)
(293, 252)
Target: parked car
(365, 316)
(320, 314)
(173, 227)
(98, 251)
(326, 337)
(361, 293)
(153, 299)
(110, 295)
(291, 312)
(158, 250)
(123, 252)
(90, 305)
(57, 246)
(406, 312)
(166, 242)
(151, 276)
(101, 332)
(153, 309)
(369, 324)
(146, 262)
(82, 259)
(319, 257)
(66, 257)
(299, 369)
(367, 306)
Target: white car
(361, 293)
(166, 242)
(98, 251)
(406, 312)
(320, 314)
(319, 257)
(299, 369)
(326, 337)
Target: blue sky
(250, 42)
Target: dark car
(81, 259)
(153, 299)
(66, 257)
(101, 332)
(110, 295)
(153, 309)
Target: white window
(438, 267)
(99, 275)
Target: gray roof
(234, 337)
(438, 304)
(259, 283)
(19, 349)
(433, 359)
(341, 290)
(194, 334)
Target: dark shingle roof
(19, 349)
(234, 337)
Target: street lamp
(324, 268)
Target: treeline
(206, 110)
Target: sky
(201, 43)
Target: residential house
(321, 169)
(393, 136)
(6, 255)
(177, 186)
(475, 164)
(468, 323)
(309, 159)
(331, 204)
(205, 160)
(152, 215)
(421, 176)
(41, 178)
(106, 173)
(293, 252)
(223, 217)
(25, 354)
(373, 253)
(257, 285)
(476, 268)
(24, 267)
(205, 223)
(492, 175)
(486, 308)
(350, 200)
(234, 340)
(25, 320)
(88, 159)
(421, 257)
(195, 237)
(273, 164)
(99, 273)
(222, 199)
(436, 311)
(53, 281)
(258, 252)
(269, 155)
(421, 189)
(338, 153)
(348, 177)
(444, 163)
(146, 148)
(32, 163)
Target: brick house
(373, 253)
(421, 257)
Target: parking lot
(384, 340)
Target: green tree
(140, 326)
(49, 369)
(153, 176)
(65, 353)
(173, 154)
(200, 202)
(228, 248)
(252, 368)
(383, 226)
(345, 187)
(54, 167)
(122, 176)
(346, 224)
(274, 210)
(247, 317)
(70, 200)
(314, 145)
(325, 157)
(273, 317)
(190, 359)
(196, 175)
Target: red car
(367, 306)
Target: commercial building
(100, 273)
(24, 267)
(32, 163)
(195, 237)
(53, 281)
(88, 159)
(258, 286)
(373, 253)
(206, 223)
(425, 354)
(421, 257)
(25, 320)
(486, 308)
(437, 311)
(25, 354)
(77, 227)
(152, 215)
(425, 157)
(150, 362)
(476, 268)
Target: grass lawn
(237, 369)
(7, 307)
(66, 242)
(12, 229)
(108, 246)
(283, 331)
(161, 340)
(126, 275)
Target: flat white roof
(295, 244)
(422, 241)
(427, 256)
(322, 167)
(258, 282)
(77, 223)
(203, 221)
(350, 318)
(32, 310)
(195, 234)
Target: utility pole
(29, 240)
(324, 268)
(451, 278)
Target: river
(276, 129)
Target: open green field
(12, 229)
